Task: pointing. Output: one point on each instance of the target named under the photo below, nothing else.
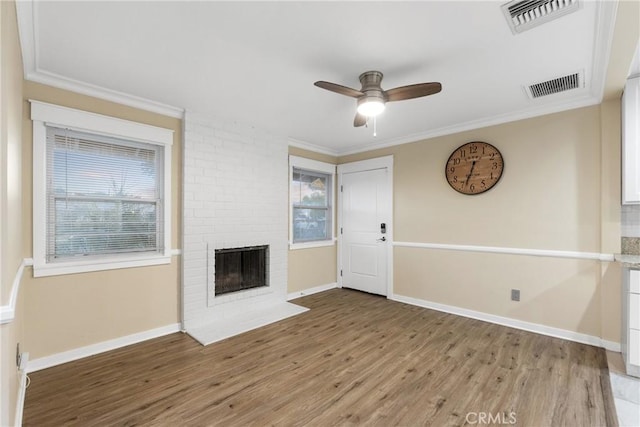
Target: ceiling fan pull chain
(375, 133)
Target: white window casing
(312, 166)
(45, 117)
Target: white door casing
(365, 254)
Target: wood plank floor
(353, 359)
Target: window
(99, 192)
(102, 195)
(311, 198)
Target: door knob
(383, 239)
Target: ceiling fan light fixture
(371, 98)
(370, 106)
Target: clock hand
(473, 165)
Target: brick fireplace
(235, 195)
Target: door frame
(362, 166)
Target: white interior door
(365, 242)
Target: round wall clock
(474, 167)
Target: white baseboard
(311, 291)
(90, 350)
(512, 323)
(611, 346)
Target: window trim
(43, 115)
(312, 166)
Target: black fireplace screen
(240, 268)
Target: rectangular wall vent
(561, 84)
(523, 15)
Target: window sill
(309, 245)
(111, 263)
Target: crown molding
(55, 80)
(584, 101)
(312, 147)
(28, 33)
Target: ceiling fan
(371, 98)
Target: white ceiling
(256, 62)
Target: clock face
(474, 167)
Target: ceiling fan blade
(359, 120)
(412, 91)
(342, 90)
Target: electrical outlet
(515, 294)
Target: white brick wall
(235, 195)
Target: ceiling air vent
(523, 15)
(561, 84)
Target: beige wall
(72, 311)
(610, 219)
(11, 167)
(10, 204)
(311, 267)
(550, 196)
(69, 312)
(547, 198)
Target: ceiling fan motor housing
(370, 81)
(372, 102)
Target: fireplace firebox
(237, 269)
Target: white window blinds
(104, 195)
